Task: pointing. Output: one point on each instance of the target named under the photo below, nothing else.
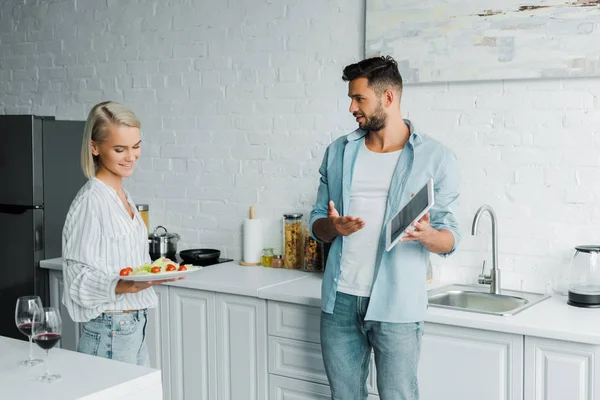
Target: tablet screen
(411, 211)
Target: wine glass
(26, 307)
(47, 329)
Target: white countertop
(52, 263)
(229, 277)
(306, 291)
(83, 376)
(552, 318)
(233, 278)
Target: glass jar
(267, 257)
(143, 210)
(292, 241)
(277, 261)
(313, 253)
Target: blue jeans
(346, 343)
(118, 336)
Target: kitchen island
(254, 334)
(83, 376)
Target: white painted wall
(238, 100)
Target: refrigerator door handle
(39, 243)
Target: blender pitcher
(584, 277)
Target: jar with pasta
(292, 241)
(313, 253)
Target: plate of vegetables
(162, 268)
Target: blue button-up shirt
(399, 291)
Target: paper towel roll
(253, 240)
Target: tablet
(413, 211)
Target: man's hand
(134, 286)
(328, 228)
(439, 242)
(422, 232)
(344, 226)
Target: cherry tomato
(182, 268)
(125, 272)
(171, 267)
(129, 269)
(155, 270)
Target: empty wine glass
(24, 310)
(47, 329)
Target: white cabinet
(295, 351)
(462, 363)
(192, 344)
(70, 329)
(157, 338)
(218, 346)
(558, 370)
(281, 388)
(241, 347)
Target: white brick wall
(239, 99)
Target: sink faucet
(493, 279)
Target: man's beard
(376, 121)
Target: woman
(103, 234)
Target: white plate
(160, 276)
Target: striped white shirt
(99, 239)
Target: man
(373, 299)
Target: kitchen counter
(229, 277)
(551, 318)
(83, 376)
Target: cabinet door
(558, 370)
(192, 336)
(70, 329)
(281, 388)
(470, 364)
(241, 347)
(157, 337)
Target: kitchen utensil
(200, 256)
(252, 241)
(584, 277)
(162, 244)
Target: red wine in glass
(26, 329)
(24, 310)
(47, 340)
(47, 328)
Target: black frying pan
(199, 256)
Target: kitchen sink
(477, 298)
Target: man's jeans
(119, 336)
(346, 343)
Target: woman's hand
(134, 286)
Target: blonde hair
(100, 119)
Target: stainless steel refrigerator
(40, 174)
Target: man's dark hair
(381, 72)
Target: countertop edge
(445, 317)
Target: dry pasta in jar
(292, 245)
(313, 253)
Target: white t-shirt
(370, 186)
